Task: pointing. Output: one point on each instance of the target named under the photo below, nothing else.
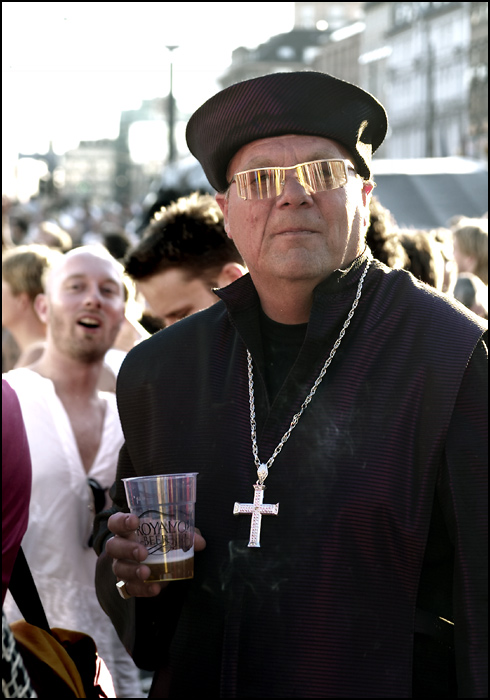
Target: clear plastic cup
(164, 505)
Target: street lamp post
(171, 113)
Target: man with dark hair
(425, 259)
(354, 392)
(183, 255)
(382, 236)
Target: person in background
(444, 237)
(336, 411)
(470, 240)
(16, 481)
(74, 435)
(183, 255)
(116, 241)
(471, 291)
(425, 258)
(132, 331)
(382, 236)
(14, 229)
(22, 272)
(16, 493)
(52, 235)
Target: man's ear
(367, 188)
(222, 200)
(229, 273)
(41, 307)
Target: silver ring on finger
(122, 590)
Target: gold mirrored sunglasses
(314, 176)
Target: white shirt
(114, 358)
(61, 515)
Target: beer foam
(174, 555)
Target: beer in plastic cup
(164, 505)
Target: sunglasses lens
(317, 176)
(322, 175)
(260, 184)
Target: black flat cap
(304, 102)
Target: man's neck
(71, 378)
(288, 303)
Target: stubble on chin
(84, 351)
(88, 356)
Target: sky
(69, 68)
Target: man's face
(296, 236)
(83, 307)
(172, 294)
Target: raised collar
(332, 301)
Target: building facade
(309, 15)
(308, 45)
(427, 62)
(427, 79)
(478, 98)
(90, 171)
(375, 50)
(292, 51)
(340, 54)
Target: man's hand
(128, 554)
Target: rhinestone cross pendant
(256, 509)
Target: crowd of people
(383, 462)
(160, 264)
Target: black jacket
(381, 490)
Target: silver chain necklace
(258, 508)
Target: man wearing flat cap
(336, 413)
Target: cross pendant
(256, 509)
